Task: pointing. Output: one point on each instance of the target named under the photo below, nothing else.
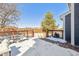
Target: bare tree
(8, 14)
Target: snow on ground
(4, 46)
(19, 48)
(38, 47)
(57, 39)
(43, 48)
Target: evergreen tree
(48, 23)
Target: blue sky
(33, 13)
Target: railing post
(33, 32)
(62, 34)
(27, 33)
(47, 32)
(52, 32)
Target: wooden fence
(52, 33)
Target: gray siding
(68, 28)
(76, 23)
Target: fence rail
(53, 32)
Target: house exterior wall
(76, 23)
(68, 28)
(71, 29)
(72, 24)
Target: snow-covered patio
(38, 47)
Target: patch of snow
(17, 49)
(4, 46)
(56, 39)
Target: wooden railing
(26, 33)
(52, 33)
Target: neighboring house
(71, 24)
